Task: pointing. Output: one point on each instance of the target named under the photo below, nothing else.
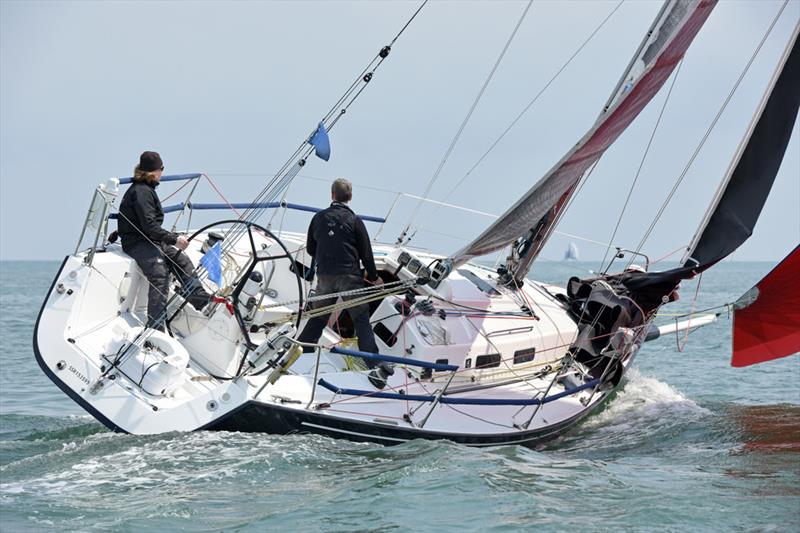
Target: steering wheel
(236, 230)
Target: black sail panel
(735, 215)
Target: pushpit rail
(197, 206)
(171, 177)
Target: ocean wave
(645, 412)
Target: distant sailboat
(572, 253)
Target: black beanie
(150, 161)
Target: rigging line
(573, 236)
(469, 113)
(179, 189)
(637, 329)
(219, 192)
(131, 312)
(444, 204)
(698, 311)
(409, 22)
(641, 164)
(366, 291)
(369, 68)
(287, 173)
(710, 128)
(682, 247)
(277, 185)
(682, 345)
(533, 101)
(475, 417)
(347, 304)
(283, 208)
(152, 243)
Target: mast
(626, 75)
(529, 222)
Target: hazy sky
(232, 88)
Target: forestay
(673, 32)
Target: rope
(409, 22)
(179, 189)
(281, 180)
(682, 345)
(219, 192)
(386, 287)
(346, 304)
(673, 252)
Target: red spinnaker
(766, 319)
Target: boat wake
(645, 412)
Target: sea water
(688, 444)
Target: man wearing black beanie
(143, 238)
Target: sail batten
(539, 208)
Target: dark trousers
(156, 263)
(327, 284)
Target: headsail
(766, 319)
(743, 192)
(733, 214)
(534, 214)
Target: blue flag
(213, 264)
(321, 143)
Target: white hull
(92, 311)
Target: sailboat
(481, 356)
(572, 252)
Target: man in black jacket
(143, 238)
(339, 243)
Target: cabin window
(524, 356)
(487, 361)
(384, 334)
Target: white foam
(647, 397)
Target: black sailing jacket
(140, 208)
(338, 240)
